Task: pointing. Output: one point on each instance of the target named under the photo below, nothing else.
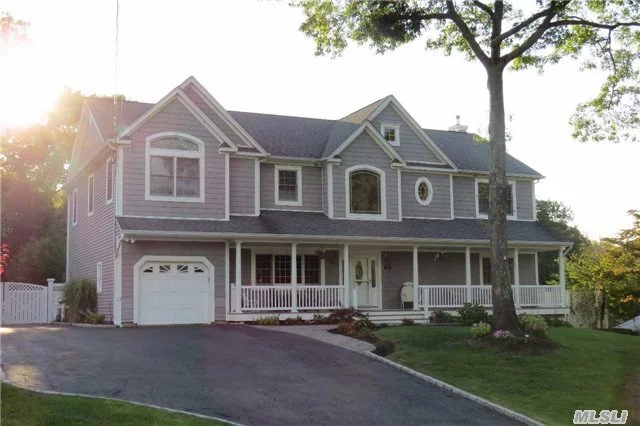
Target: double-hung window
(175, 169)
(482, 196)
(276, 269)
(109, 180)
(90, 195)
(288, 185)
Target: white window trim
(429, 188)
(383, 194)
(91, 191)
(99, 277)
(108, 166)
(479, 215)
(276, 179)
(173, 153)
(396, 128)
(74, 207)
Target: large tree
(500, 35)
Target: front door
(364, 279)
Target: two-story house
(184, 212)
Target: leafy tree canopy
(603, 34)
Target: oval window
(424, 191)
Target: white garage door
(174, 293)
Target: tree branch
(516, 28)
(496, 21)
(584, 22)
(429, 16)
(466, 33)
(535, 36)
(486, 8)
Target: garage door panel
(174, 293)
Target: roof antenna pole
(115, 79)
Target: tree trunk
(504, 311)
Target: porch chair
(406, 294)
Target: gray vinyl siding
(311, 189)
(524, 199)
(242, 186)
(325, 194)
(245, 267)
(214, 116)
(447, 270)
(132, 253)
(527, 265)
(365, 151)
(440, 205)
(92, 239)
(464, 196)
(173, 118)
(411, 148)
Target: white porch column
(416, 280)
(345, 274)
(516, 277)
(294, 277)
(238, 304)
(563, 284)
(467, 272)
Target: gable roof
(302, 137)
(363, 113)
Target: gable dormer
(401, 131)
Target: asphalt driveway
(245, 374)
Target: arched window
(175, 168)
(366, 192)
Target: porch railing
(454, 296)
(279, 297)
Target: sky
(251, 56)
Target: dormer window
(175, 168)
(288, 182)
(391, 134)
(482, 199)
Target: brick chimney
(458, 127)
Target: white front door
(364, 278)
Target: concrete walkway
(321, 333)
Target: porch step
(396, 317)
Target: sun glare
(26, 91)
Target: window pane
(510, 200)
(389, 134)
(109, 179)
(288, 185)
(161, 166)
(282, 269)
(263, 269)
(365, 192)
(161, 185)
(423, 191)
(483, 198)
(311, 269)
(299, 269)
(188, 177)
(175, 143)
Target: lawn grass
(588, 371)
(22, 407)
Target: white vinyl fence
(26, 303)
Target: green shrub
(293, 321)
(268, 320)
(408, 321)
(480, 329)
(534, 324)
(95, 319)
(442, 317)
(80, 298)
(345, 314)
(557, 321)
(473, 313)
(320, 319)
(364, 323)
(384, 347)
(381, 326)
(347, 327)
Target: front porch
(390, 282)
